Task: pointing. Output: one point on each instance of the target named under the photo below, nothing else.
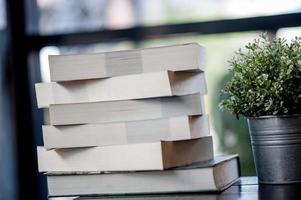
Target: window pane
(195, 10)
(63, 16)
(58, 16)
(289, 33)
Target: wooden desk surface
(245, 189)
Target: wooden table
(245, 189)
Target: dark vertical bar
(34, 75)
(8, 177)
(32, 14)
(26, 153)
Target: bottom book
(215, 175)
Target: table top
(246, 188)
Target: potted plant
(266, 88)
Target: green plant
(266, 79)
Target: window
(63, 16)
(62, 26)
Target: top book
(184, 57)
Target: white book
(142, 131)
(214, 175)
(130, 157)
(137, 86)
(126, 110)
(181, 57)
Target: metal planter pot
(276, 144)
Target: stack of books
(130, 122)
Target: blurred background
(30, 30)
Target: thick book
(129, 157)
(126, 110)
(184, 57)
(214, 175)
(142, 131)
(137, 86)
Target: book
(141, 131)
(137, 86)
(213, 175)
(126, 110)
(129, 157)
(101, 65)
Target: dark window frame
(138, 33)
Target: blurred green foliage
(232, 133)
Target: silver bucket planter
(276, 144)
